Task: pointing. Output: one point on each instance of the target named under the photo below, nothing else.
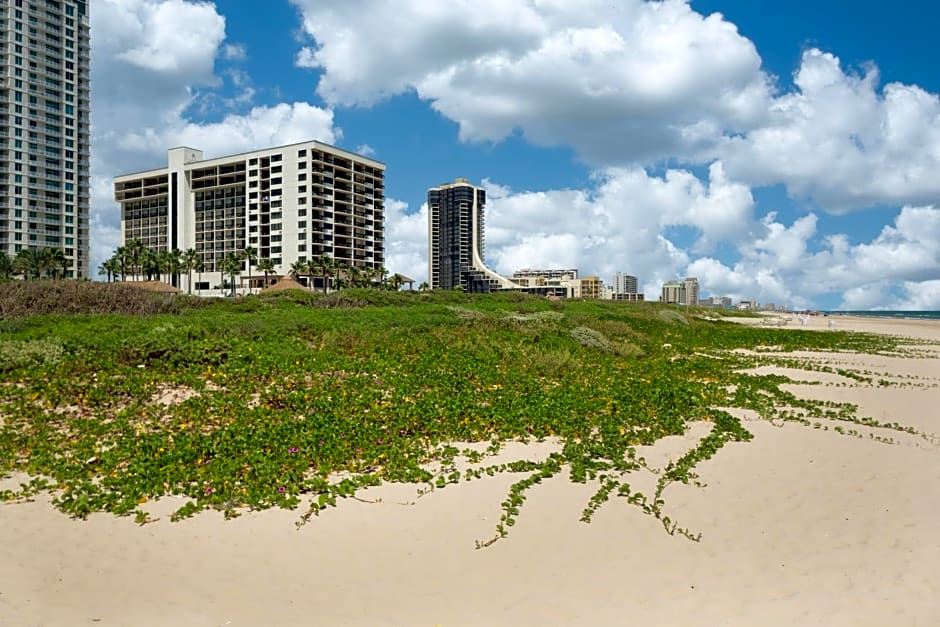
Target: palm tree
(190, 261)
(346, 275)
(150, 263)
(315, 268)
(298, 269)
(175, 259)
(329, 267)
(57, 259)
(232, 266)
(135, 252)
(250, 255)
(6, 266)
(396, 281)
(108, 267)
(32, 262)
(424, 286)
(122, 259)
(164, 263)
(266, 266)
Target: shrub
(19, 354)
(20, 299)
(550, 362)
(673, 317)
(590, 338)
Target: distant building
(723, 302)
(671, 293)
(684, 292)
(456, 240)
(624, 288)
(691, 292)
(589, 288)
(625, 284)
(534, 278)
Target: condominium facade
(625, 284)
(289, 203)
(684, 292)
(456, 240)
(44, 128)
(589, 288)
(536, 278)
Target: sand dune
(800, 526)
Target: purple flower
(281, 489)
(293, 450)
(380, 440)
(208, 490)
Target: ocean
(919, 315)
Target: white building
(289, 203)
(625, 284)
(44, 128)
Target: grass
(277, 398)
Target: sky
(784, 152)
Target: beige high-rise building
(684, 292)
(44, 128)
(690, 289)
(289, 203)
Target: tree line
(35, 263)
(136, 261)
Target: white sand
(799, 527)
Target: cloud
(406, 239)
(617, 226)
(163, 36)
(365, 150)
(840, 142)
(622, 82)
(635, 83)
(234, 52)
(140, 103)
(897, 269)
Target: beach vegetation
(114, 398)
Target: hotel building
(456, 240)
(44, 128)
(290, 203)
(537, 278)
(684, 292)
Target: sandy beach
(800, 526)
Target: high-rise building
(456, 240)
(684, 292)
(625, 284)
(44, 128)
(690, 288)
(290, 203)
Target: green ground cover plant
(297, 400)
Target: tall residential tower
(290, 204)
(44, 128)
(455, 240)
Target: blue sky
(784, 152)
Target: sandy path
(799, 527)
